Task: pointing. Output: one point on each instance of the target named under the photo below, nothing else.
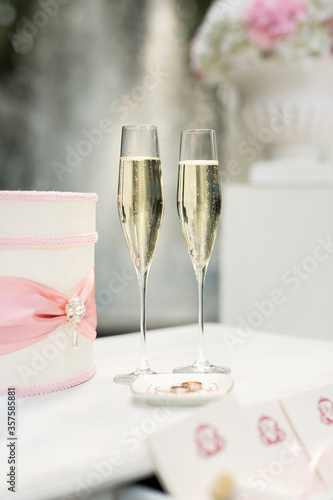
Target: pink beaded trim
(67, 240)
(59, 385)
(47, 196)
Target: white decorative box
(47, 244)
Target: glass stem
(201, 360)
(143, 364)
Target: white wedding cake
(47, 304)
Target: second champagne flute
(140, 207)
(199, 211)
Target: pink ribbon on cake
(30, 311)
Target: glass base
(128, 378)
(202, 368)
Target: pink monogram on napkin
(30, 311)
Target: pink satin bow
(30, 311)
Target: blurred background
(66, 68)
(74, 72)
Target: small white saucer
(181, 389)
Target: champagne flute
(199, 211)
(140, 208)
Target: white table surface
(63, 436)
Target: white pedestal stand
(276, 267)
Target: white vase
(288, 107)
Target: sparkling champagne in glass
(199, 211)
(140, 207)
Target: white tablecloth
(69, 442)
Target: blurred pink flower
(269, 21)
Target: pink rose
(269, 21)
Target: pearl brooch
(75, 310)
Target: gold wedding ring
(192, 386)
(179, 389)
(185, 388)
